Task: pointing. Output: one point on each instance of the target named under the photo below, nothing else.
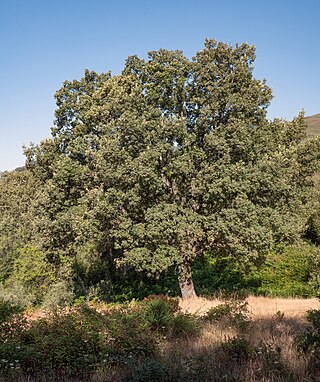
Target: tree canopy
(170, 159)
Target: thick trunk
(186, 283)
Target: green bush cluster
(288, 272)
(145, 341)
(76, 341)
(161, 313)
(291, 271)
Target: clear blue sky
(44, 42)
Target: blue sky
(46, 42)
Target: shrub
(287, 272)
(7, 310)
(33, 272)
(157, 312)
(310, 339)
(237, 348)
(67, 339)
(233, 312)
(58, 295)
(146, 371)
(224, 274)
(270, 358)
(184, 325)
(16, 295)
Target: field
(259, 307)
(163, 339)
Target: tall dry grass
(275, 324)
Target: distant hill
(313, 123)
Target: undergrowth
(153, 340)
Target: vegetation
(154, 340)
(150, 171)
(166, 179)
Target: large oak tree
(175, 157)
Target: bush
(146, 371)
(157, 312)
(58, 295)
(8, 309)
(287, 272)
(184, 325)
(68, 338)
(233, 312)
(310, 339)
(16, 295)
(237, 348)
(224, 274)
(32, 273)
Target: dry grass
(258, 306)
(274, 326)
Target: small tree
(180, 159)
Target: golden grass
(258, 306)
(274, 326)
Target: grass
(253, 340)
(258, 306)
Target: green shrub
(184, 325)
(58, 295)
(157, 312)
(313, 228)
(146, 371)
(32, 272)
(213, 275)
(17, 295)
(8, 309)
(232, 312)
(309, 341)
(270, 358)
(287, 272)
(74, 342)
(237, 348)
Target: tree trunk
(185, 282)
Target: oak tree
(175, 157)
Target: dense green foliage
(170, 165)
(64, 339)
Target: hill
(313, 123)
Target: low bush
(162, 314)
(309, 341)
(237, 348)
(157, 312)
(185, 326)
(70, 342)
(231, 313)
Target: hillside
(313, 123)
